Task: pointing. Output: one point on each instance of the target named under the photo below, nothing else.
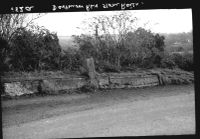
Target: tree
(117, 42)
(9, 24)
(144, 47)
(110, 32)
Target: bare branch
(10, 22)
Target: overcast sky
(160, 20)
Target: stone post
(91, 71)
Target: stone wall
(70, 82)
(126, 80)
(55, 85)
(46, 85)
(17, 89)
(103, 81)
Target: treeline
(179, 42)
(182, 38)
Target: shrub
(128, 50)
(107, 67)
(184, 61)
(71, 60)
(34, 49)
(168, 62)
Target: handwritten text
(22, 9)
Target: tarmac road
(168, 115)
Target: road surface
(169, 113)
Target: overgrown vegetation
(177, 76)
(182, 61)
(117, 44)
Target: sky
(160, 20)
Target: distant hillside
(179, 42)
(174, 42)
(178, 38)
(66, 42)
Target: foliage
(168, 62)
(144, 47)
(9, 23)
(139, 48)
(71, 60)
(104, 66)
(3, 65)
(116, 44)
(35, 49)
(3, 51)
(183, 61)
(175, 76)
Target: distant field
(180, 42)
(66, 42)
(179, 48)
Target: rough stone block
(16, 89)
(62, 84)
(103, 81)
(132, 80)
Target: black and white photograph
(117, 73)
